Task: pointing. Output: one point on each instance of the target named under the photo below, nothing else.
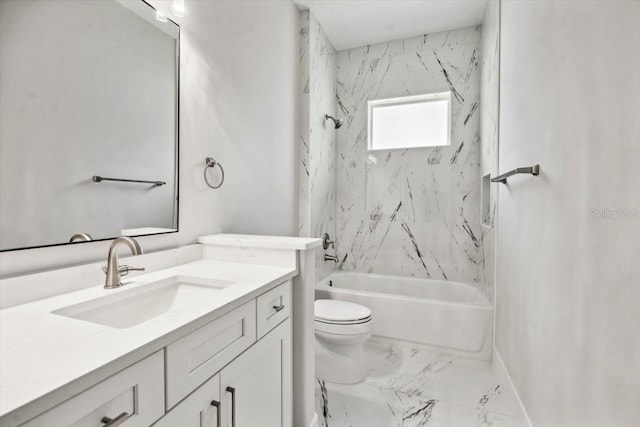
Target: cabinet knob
(113, 422)
(278, 308)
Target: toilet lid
(334, 311)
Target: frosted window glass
(417, 121)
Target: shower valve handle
(326, 242)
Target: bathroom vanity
(202, 343)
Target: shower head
(337, 122)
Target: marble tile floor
(408, 387)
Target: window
(410, 122)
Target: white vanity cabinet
(256, 387)
(220, 374)
(253, 390)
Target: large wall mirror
(88, 109)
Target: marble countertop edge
(261, 242)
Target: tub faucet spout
(331, 258)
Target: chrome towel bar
(532, 170)
(97, 178)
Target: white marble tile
(323, 137)
(365, 405)
(317, 173)
(489, 111)
(303, 127)
(411, 212)
(340, 405)
(408, 386)
(447, 415)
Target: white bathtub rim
(407, 278)
(387, 276)
(481, 304)
(482, 301)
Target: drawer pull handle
(113, 422)
(218, 414)
(232, 390)
(278, 308)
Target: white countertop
(42, 353)
(262, 242)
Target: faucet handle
(124, 269)
(326, 242)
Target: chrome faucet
(114, 271)
(333, 258)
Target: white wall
(238, 104)
(568, 285)
(77, 101)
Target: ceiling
(355, 23)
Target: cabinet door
(194, 358)
(256, 387)
(199, 409)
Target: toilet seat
(337, 312)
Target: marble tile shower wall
(411, 212)
(317, 138)
(304, 208)
(489, 111)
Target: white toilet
(341, 328)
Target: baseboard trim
(503, 376)
(314, 420)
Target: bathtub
(449, 315)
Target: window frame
(406, 100)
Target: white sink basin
(128, 308)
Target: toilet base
(340, 359)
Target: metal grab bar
(533, 170)
(97, 178)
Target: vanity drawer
(196, 357)
(274, 306)
(137, 392)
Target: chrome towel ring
(210, 162)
